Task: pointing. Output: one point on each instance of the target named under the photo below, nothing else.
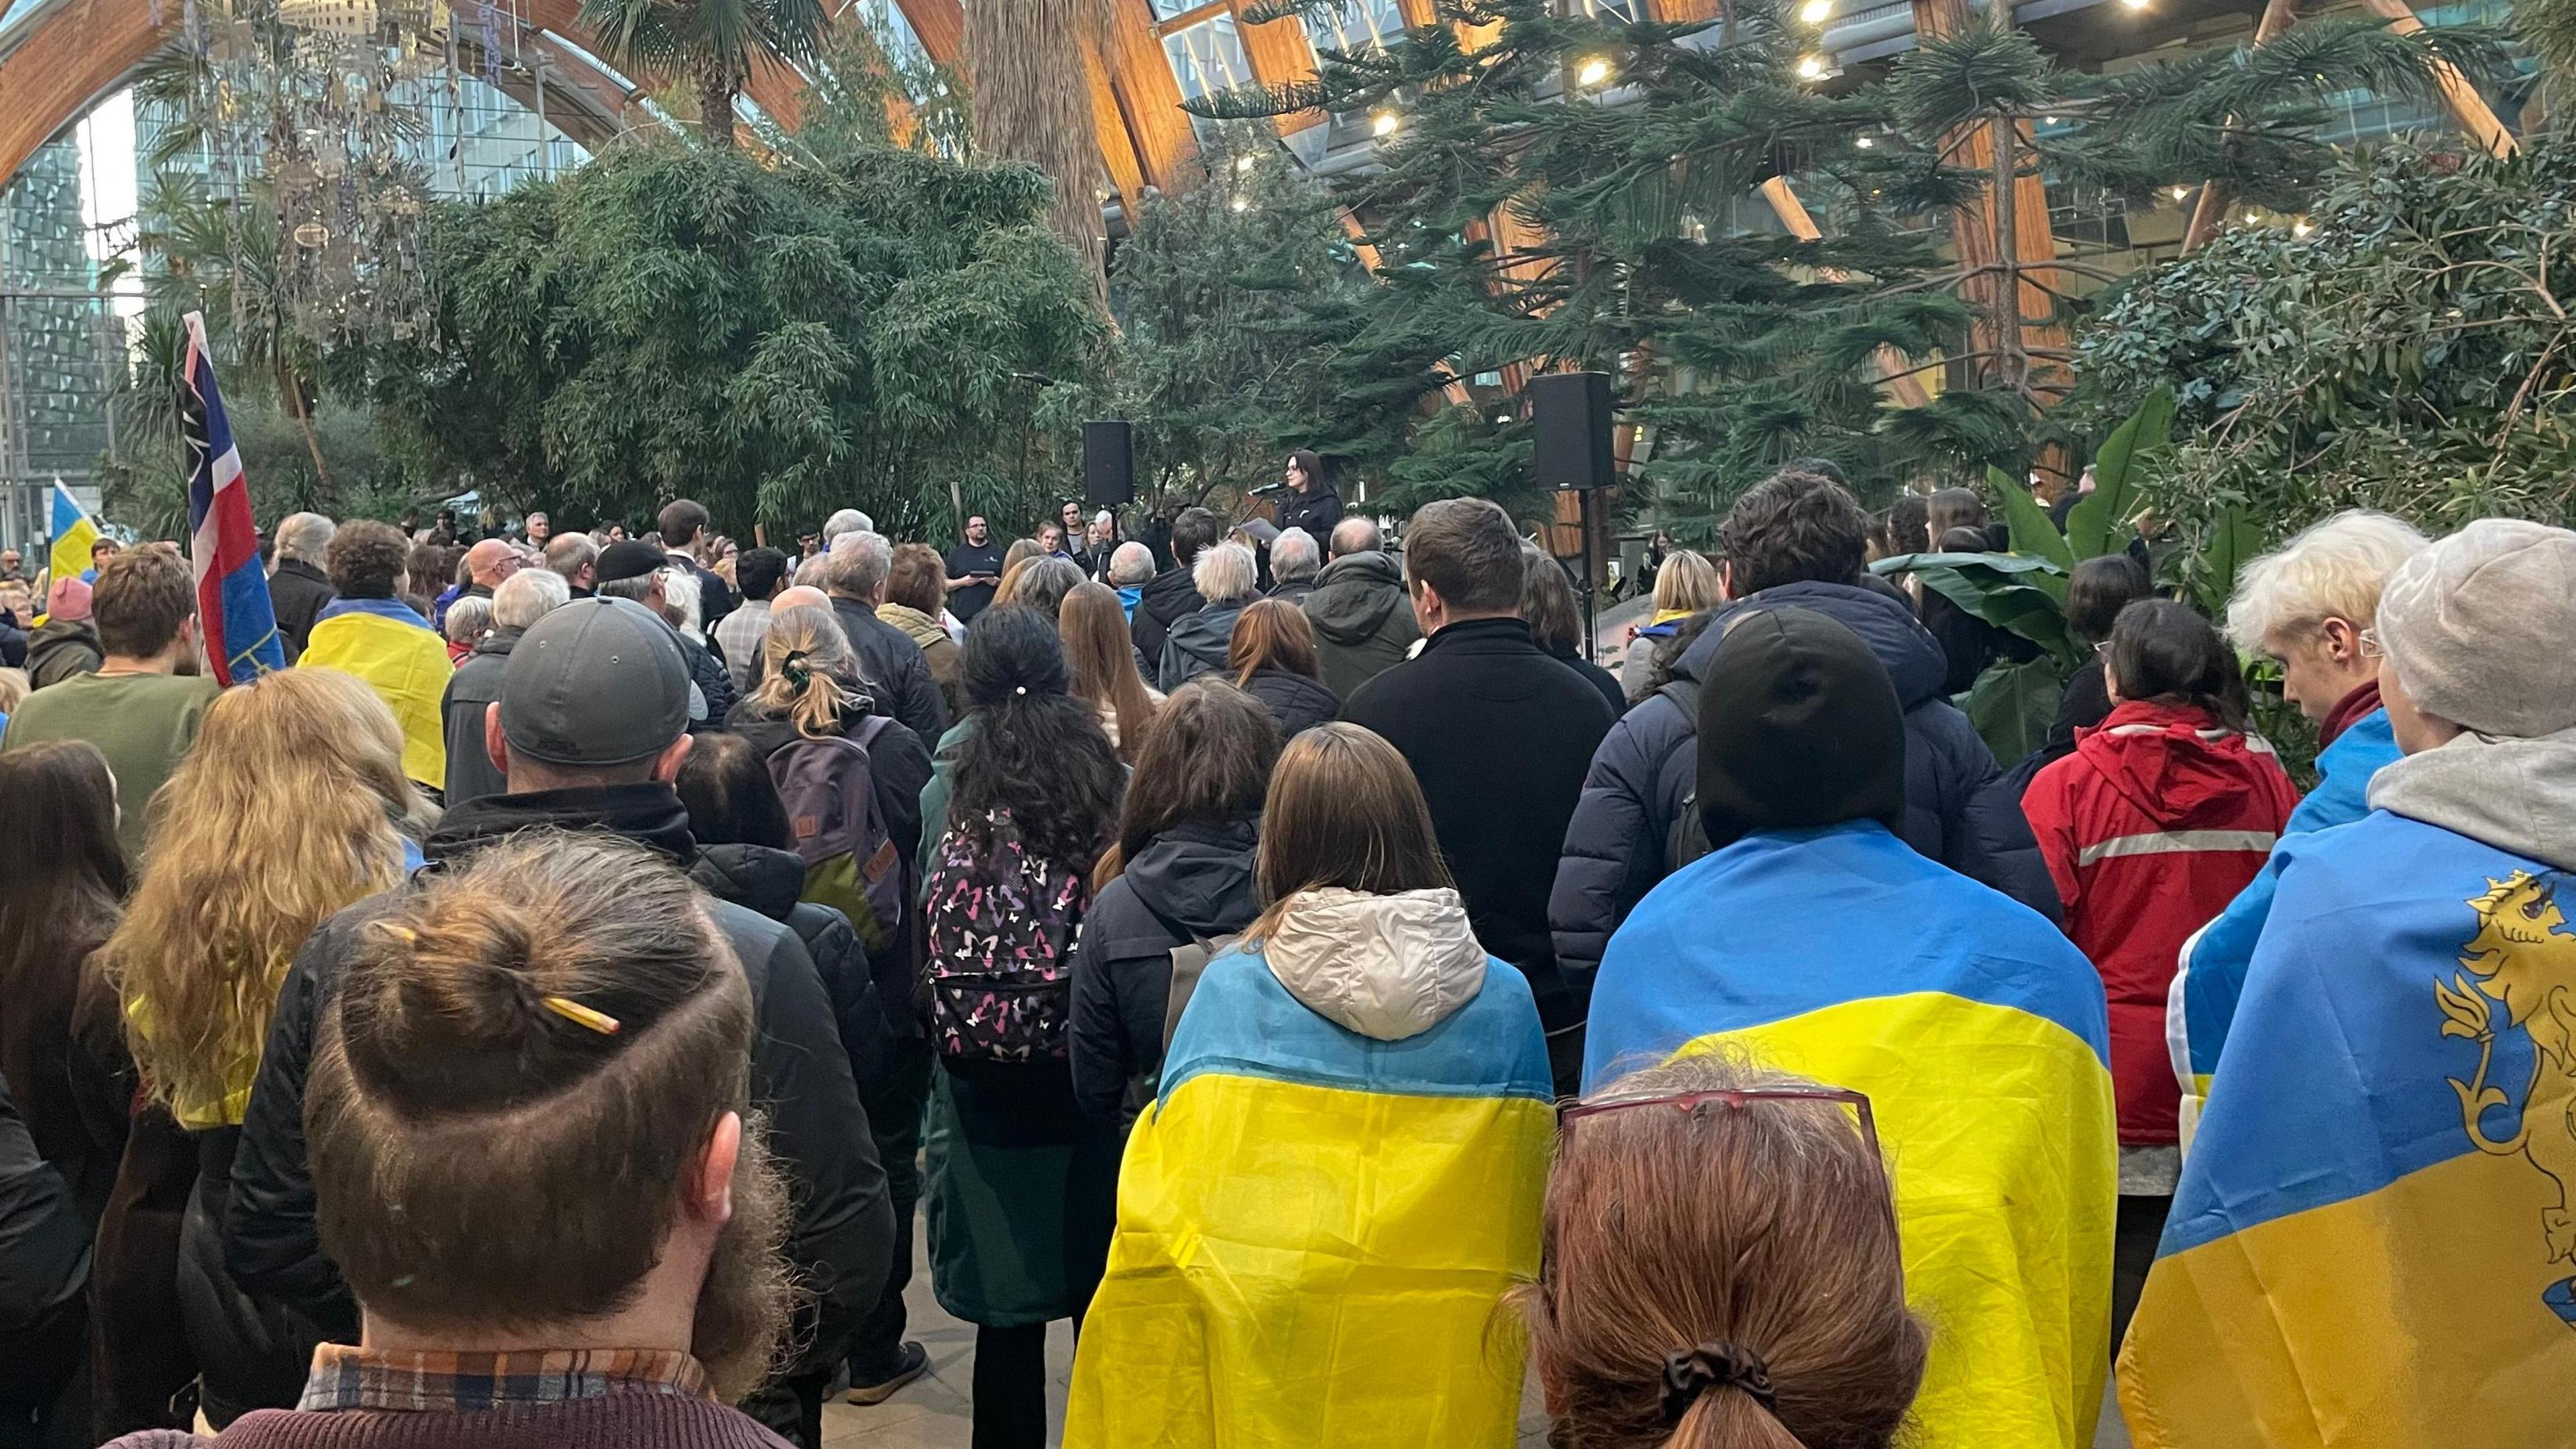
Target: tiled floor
(936, 1412)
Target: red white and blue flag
(232, 589)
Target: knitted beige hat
(2479, 626)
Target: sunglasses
(1855, 1105)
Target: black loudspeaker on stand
(1570, 412)
(1108, 464)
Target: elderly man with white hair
(1131, 567)
(2380, 1172)
(846, 522)
(2309, 605)
(1229, 578)
(523, 599)
(298, 589)
(1294, 562)
(898, 676)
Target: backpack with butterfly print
(1001, 922)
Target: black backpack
(1686, 839)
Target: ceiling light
(1241, 204)
(1864, 143)
(2300, 228)
(1385, 124)
(1502, 417)
(2179, 192)
(1816, 12)
(1594, 72)
(2048, 120)
(1811, 67)
(2136, 4)
(1243, 164)
(2252, 215)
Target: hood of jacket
(1129, 596)
(61, 634)
(1387, 967)
(917, 626)
(1354, 595)
(649, 814)
(2174, 763)
(1915, 663)
(1169, 595)
(1199, 877)
(754, 876)
(2517, 795)
(1207, 634)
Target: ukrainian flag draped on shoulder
(1979, 1033)
(2371, 1246)
(1315, 1230)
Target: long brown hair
(1207, 761)
(67, 872)
(1765, 1228)
(456, 1074)
(1093, 626)
(1343, 810)
(1273, 634)
(281, 814)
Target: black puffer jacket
(298, 592)
(841, 1238)
(1168, 596)
(44, 1265)
(769, 881)
(1615, 845)
(1192, 880)
(1298, 703)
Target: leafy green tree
(1581, 193)
(889, 329)
(709, 45)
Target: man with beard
(974, 567)
(553, 1032)
(589, 733)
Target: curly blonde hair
(283, 813)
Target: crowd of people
(544, 1012)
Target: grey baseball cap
(596, 682)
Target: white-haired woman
(2309, 606)
(1228, 577)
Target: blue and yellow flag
(1315, 1230)
(1979, 1033)
(73, 533)
(2372, 1247)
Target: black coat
(1602, 679)
(44, 1266)
(841, 1237)
(1499, 734)
(1191, 880)
(471, 691)
(1168, 596)
(1298, 703)
(297, 591)
(713, 680)
(896, 667)
(1316, 512)
(1615, 846)
(769, 881)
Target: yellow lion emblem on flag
(2521, 957)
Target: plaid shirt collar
(344, 1377)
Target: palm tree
(711, 45)
(1029, 62)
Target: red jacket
(2149, 829)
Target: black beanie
(1798, 726)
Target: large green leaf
(2234, 539)
(2098, 524)
(2001, 588)
(2032, 533)
(2012, 706)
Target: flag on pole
(73, 531)
(232, 590)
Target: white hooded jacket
(1387, 967)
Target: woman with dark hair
(1272, 658)
(1556, 623)
(2175, 767)
(1176, 887)
(1022, 1184)
(1967, 642)
(2096, 592)
(59, 900)
(1340, 1177)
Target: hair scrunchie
(793, 670)
(1693, 1371)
